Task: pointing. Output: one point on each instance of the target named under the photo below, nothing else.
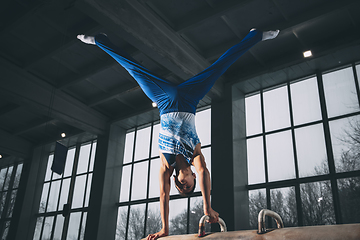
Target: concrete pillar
(105, 188)
(222, 159)
(29, 195)
(241, 197)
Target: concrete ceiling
(53, 83)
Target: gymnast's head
(185, 183)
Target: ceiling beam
(59, 44)
(86, 72)
(14, 145)
(313, 14)
(33, 126)
(8, 108)
(19, 16)
(131, 86)
(198, 18)
(28, 90)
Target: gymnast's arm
(205, 184)
(164, 180)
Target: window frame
(332, 175)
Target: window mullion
(71, 192)
(329, 150)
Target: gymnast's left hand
(214, 216)
(157, 235)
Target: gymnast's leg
(198, 86)
(154, 87)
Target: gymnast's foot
(86, 39)
(269, 34)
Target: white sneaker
(86, 39)
(270, 35)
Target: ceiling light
(0, 156)
(63, 135)
(154, 104)
(307, 53)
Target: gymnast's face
(185, 183)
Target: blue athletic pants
(183, 97)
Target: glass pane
(154, 187)
(92, 158)
(88, 188)
(121, 223)
(196, 212)
(69, 162)
(83, 225)
(305, 101)
(2, 177)
(280, 157)
(136, 222)
(44, 196)
(257, 202)
(345, 140)
(142, 145)
(2, 201)
(84, 158)
(6, 229)
(58, 227)
(54, 196)
(283, 202)
(340, 92)
(79, 191)
(17, 176)
(203, 126)
(349, 194)
(7, 179)
(39, 223)
(253, 115)
(311, 151)
(317, 203)
(178, 216)
(276, 109)
(125, 183)
(47, 228)
(155, 141)
(129, 144)
(139, 183)
(153, 223)
(74, 224)
(11, 203)
(48, 168)
(64, 193)
(255, 160)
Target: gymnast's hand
(157, 235)
(86, 39)
(214, 216)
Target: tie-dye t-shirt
(177, 136)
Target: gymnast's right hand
(86, 39)
(157, 235)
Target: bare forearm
(205, 186)
(164, 210)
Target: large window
(9, 183)
(65, 198)
(139, 208)
(303, 148)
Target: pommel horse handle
(202, 225)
